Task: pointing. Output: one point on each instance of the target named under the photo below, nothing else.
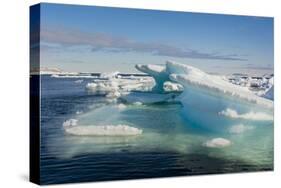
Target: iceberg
(207, 95)
(195, 79)
(102, 88)
(118, 86)
(221, 103)
(204, 95)
(109, 75)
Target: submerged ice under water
(131, 117)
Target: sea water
(169, 145)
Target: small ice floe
(113, 87)
(102, 130)
(217, 143)
(238, 129)
(102, 88)
(114, 94)
(137, 103)
(54, 76)
(121, 106)
(109, 75)
(256, 116)
(79, 112)
(78, 81)
(70, 123)
(111, 100)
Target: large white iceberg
(206, 95)
(195, 79)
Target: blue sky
(99, 39)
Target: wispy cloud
(104, 42)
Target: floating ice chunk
(217, 143)
(78, 81)
(103, 130)
(93, 87)
(137, 103)
(257, 116)
(70, 123)
(111, 100)
(114, 94)
(79, 112)
(240, 128)
(109, 75)
(121, 106)
(114, 88)
(172, 87)
(102, 87)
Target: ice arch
(158, 72)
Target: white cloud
(105, 42)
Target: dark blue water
(169, 146)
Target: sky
(100, 39)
